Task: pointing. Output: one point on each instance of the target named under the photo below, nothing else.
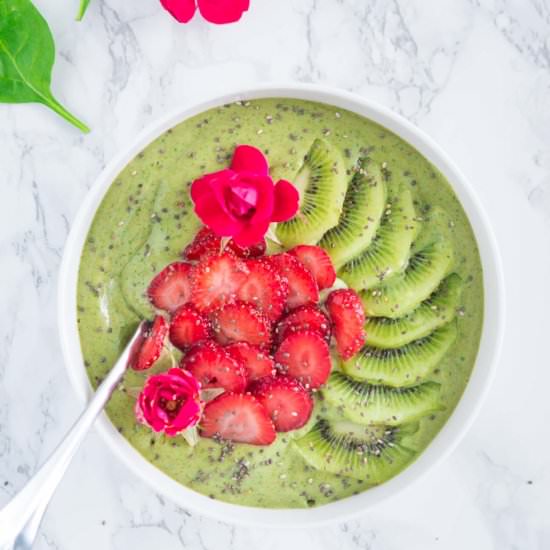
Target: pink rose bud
(170, 402)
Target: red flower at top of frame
(215, 11)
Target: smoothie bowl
(325, 300)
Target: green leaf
(82, 9)
(27, 55)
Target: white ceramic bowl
(460, 420)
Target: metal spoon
(21, 517)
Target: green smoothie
(145, 221)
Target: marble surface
(474, 74)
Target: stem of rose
(223, 243)
(271, 234)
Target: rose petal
(223, 11)
(214, 216)
(181, 10)
(252, 234)
(139, 411)
(187, 417)
(265, 200)
(220, 183)
(223, 188)
(249, 159)
(191, 382)
(286, 199)
(204, 184)
(240, 200)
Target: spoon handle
(21, 517)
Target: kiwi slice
(344, 448)
(436, 311)
(403, 293)
(322, 184)
(389, 251)
(403, 366)
(362, 211)
(368, 404)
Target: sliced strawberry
(256, 362)
(216, 280)
(264, 288)
(317, 262)
(253, 251)
(188, 327)
(308, 317)
(348, 320)
(149, 345)
(239, 418)
(305, 356)
(302, 288)
(206, 242)
(213, 367)
(241, 322)
(171, 288)
(286, 401)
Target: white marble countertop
(474, 74)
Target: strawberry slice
(237, 417)
(253, 251)
(213, 367)
(317, 262)
(302, 288)
(256, 363)
(216, 280)
(348, 320)
(305, 356)
(188, 327)
(206, 243)
(149, 345)
(264, 288)
(286, 401)
(308, 317)
(241, 322)
(171, 288)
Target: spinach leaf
(82, 10)
(27, 55)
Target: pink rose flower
(215, 11)
(241, 201)
(170, 402)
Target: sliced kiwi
(403, 366)
(389, 251)
(433, 313)
(362, 211)
(322, 184)
(365, 403)
(403, 293)
(366, 453)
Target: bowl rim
(452, 431)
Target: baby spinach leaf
(27, 55)
(82, 9)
